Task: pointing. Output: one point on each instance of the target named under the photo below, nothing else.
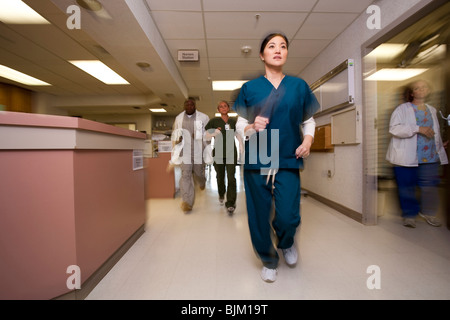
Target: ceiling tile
(260, 6)
(342, 6)
(294, 66)
(306, 47)
(192, 66)
(244, 25)
(197, 74)
(235, 63)
(179, 25)
(325, 25)
(51, 40)
(177, 5)
(236, 74)
(199, 84)
(232, 48)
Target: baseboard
(97, 276)
(338, 207)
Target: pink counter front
(71, 194)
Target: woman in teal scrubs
(275, 117)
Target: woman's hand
(303, 150)
(427, 132)
(260, 123)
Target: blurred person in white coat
(416, 151)
(188, 136)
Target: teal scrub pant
(284, 219)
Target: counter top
(39, 131)
(51, 121)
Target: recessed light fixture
(227, 85)
(99, 70)
(20, 77)
(144, 66)
(17, 12)
(92, 5)
(395, 74)
(157, 110)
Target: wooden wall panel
(14, 98)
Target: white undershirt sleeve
(309, 127)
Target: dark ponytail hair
(270, 37)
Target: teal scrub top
(287, 107)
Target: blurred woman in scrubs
(276, 118)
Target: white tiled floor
(208, 255)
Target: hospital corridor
(208, 255)
(337, 109)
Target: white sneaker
(409, 222)
(269, 275)
(431, 220)
(230, 210)
(290, 256)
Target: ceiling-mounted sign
(188, 55)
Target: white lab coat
(200, 142)
(402, 150)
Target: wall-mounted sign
(138, 159)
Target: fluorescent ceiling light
(227, 85)
(158, 110)
(99, 70)
(388, 50)
(232, 114)
(23, 78)
(395, 74)
(17, 12)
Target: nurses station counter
(71, 203)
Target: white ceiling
(153, 31)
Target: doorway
(422, 48)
